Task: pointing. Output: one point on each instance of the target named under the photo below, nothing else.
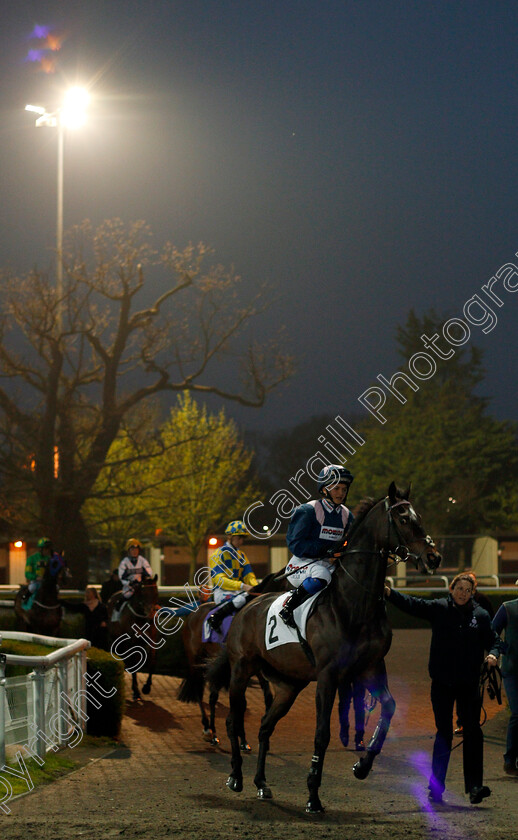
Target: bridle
(401, 554)
(142, 584)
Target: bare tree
(74, 370)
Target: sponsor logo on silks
(329, 533)
(474, 622)
(291, 569)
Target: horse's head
(412, 541)
(145, 593)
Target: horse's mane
(360, 512)
(362, 509)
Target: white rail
(38, 710)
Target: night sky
(360, 156)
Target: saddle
(27, 599)
(216, 636)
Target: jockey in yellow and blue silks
(231, 574)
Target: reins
(45, 607)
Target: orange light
(213, 540)
(18, 544)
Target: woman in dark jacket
(461, 632)
(95, 615)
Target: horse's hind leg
(213, 699)
(146, 688)
(241, 673)
(280, 706)
(363, 767)
(267, 693)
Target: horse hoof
(207, 735)
(264, 793)
(146, 689)
(315, 807)
(245, 747)
(214, 741)
(235, 784)
(361, 771)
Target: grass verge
(57, 764)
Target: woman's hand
(491, 661)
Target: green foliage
(108, 719)
(463, 464)
(188, 480)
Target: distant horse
(135, 622)
(198, 652)
(44, 615)
(348, 636)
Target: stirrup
(214, 622)
(287, 616)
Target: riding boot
(297, 597)
(215, 620)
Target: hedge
(108, 719)
(104, 721)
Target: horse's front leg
(146, 688)
(325, 697)
(363, 767)
(134, 687)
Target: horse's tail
(218, 671)
(191, 688)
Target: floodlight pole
(59, 225)
(57, 119)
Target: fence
(41, 707)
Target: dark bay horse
(348, 634)
(135, 623)
(44, 615)
(198, 652)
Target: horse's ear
(155, 579)
(392, 491)
(407, 492)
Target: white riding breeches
(301, 569)
(222, 595)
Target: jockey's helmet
(133, 543)
(236, 528)
(44, 543)
(332, 475)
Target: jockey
(133, 568)
(35, 566)
(317, 529)
(231, 574)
